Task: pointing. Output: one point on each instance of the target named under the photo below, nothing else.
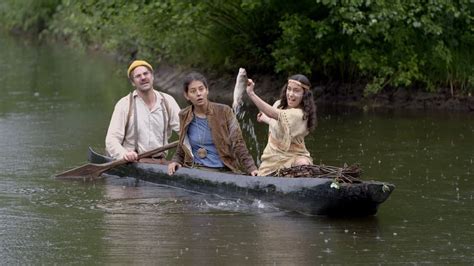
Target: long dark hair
(194, 76)
(309, 106)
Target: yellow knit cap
(138, 63)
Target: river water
(56, 101)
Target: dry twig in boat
(346, 174)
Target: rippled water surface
(56, 101)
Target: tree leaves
(384, 43)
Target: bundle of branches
(346, 174)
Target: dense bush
(393, 43)
(27, 15)
(422, 44)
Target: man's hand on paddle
(173, 167)
(130, 156)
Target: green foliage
(393, 43)
(427, 44)
(27, 15)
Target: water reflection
(162, 224)
(147, 223)
(143, 227)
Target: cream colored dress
(285, 141)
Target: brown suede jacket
(226, 134)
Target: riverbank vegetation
(385, 45)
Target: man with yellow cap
(143, 120)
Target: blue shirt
(199, 135)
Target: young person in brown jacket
(210, 137)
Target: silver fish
(240, 86)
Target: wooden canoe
(313, 196)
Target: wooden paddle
(94, 170)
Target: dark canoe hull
(313, 196)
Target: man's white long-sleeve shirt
(150, 125)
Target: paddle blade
(94, 170)
(87, 170)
